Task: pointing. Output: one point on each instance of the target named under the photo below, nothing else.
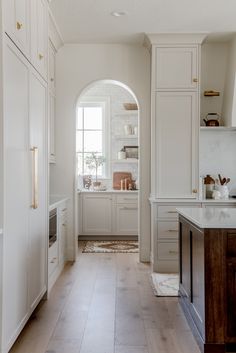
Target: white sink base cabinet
(108, 214)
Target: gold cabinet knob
(40, 56)
(19, 25)
(194, 191)
(52, 79)
(195, 79)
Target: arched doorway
(114, 133)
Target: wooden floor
(104, 304)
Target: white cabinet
(52, 155)
(38, 216)
(176, 144)
(110, 214)
(39, 39)
(57, 250)
(51, 73)
(97, 214)
(127, 219)
(25, 179)
(176, 68)
(16, 19)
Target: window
(92, 135)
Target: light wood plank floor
(104, 304)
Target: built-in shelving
(126, 137)
(217, 128)
(126, 114)
(127, 160)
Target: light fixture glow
(118, 13)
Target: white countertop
(55, 200)
(110, 191)
(210, 217)
(204, 201)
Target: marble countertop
(210, 217)
(55, 200)
(204, 201)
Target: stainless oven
(52, 227)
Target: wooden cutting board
(118, 176)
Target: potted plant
(94, 161)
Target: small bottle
(122, 184)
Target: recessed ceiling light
(118, 13)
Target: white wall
(77, 67)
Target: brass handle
(35, 151)
(172, 212)
(53, 260)
(194, 191)
(173, 230)
(40, 56)
(19, 25)
(173, 252)
(52, 79)
(64, 224)
(195, 79)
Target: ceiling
(89, 21)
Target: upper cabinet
(39, 38)
(51, 73)
(16, 17)
(26, 23)
(176, 68)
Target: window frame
(104, 102)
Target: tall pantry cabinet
(175, 128)
(25, 202)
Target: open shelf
(126, 137)
(127, 161)
(217, 128)
(126, 113)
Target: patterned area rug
(114, 246)
(165, 284)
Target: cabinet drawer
(127, 199)
(168, 251)
(167, 212)
(167, 229)
(52, 258)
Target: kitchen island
(207, 244)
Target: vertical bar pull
(35, 183)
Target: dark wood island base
(208, 285)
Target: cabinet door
(52, 156)
(176, 68)
(38, 212)
(62, 233)
(97, 214)
(16, 23)
(51, 76)
(127, 219)
(176, 146)
(39, 38)
(16, 194)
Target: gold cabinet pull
(19, 25)
(172, 230)
(40, 56)
(194, 191)
(195, 79)
(173, 252)
(35, 183)
(172, 212)
(52, 80)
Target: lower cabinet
(57, 250)
(108, 214)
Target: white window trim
(105, 101)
